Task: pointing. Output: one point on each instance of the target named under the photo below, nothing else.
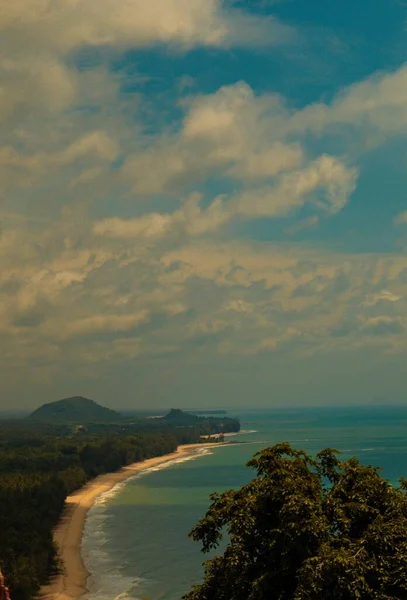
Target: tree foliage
(34, 482)
(306, 529)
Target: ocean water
(136, 541)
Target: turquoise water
(136, 541)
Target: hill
(206, 424)
(74, 410)
(181, 418)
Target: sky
(203, 202)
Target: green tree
(306, 529)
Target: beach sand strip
(71, 583)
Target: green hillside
(179, 417)
(74, 410)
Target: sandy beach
(71, 584)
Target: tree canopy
(306, 529)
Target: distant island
(180, 417)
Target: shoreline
(230, 434)
(71, 583)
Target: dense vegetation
(306, 529)
(42, 463)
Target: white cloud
(104, 324)
(268, 162)
(190, 219)
(64, 25)
(374, 107)
(401, 219)
(39, 38)
(82, 300)
(35, 82)
(383, 296)
(383, 325)
(308, 223)
(232, 128)
(148, 226)
(327, 183)
(96, 145)
(224, 113)
(227, 133)
(327, 175)
(241, 137)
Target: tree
(306, 529)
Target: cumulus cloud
(228, 132)
(325, 183)
(401, 219)
(383, 325)
(115, 243)
(104, 323)
(240, 136)
(309, 223)
(148, 226)
(250, 138)
(40, 40)
(382, 296)
(38, 36)
(101, 299)
(65, 25)
(374, 107)
(96, 146)
(327, 175)
(189, 220)
(43, 84)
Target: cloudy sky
(203, 202)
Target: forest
(42, 463)
(305, 528)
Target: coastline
(230, 434)
(71, 583)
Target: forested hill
(209, 424)
(74, 410)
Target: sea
(136, 543)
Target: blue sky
(203, 202)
